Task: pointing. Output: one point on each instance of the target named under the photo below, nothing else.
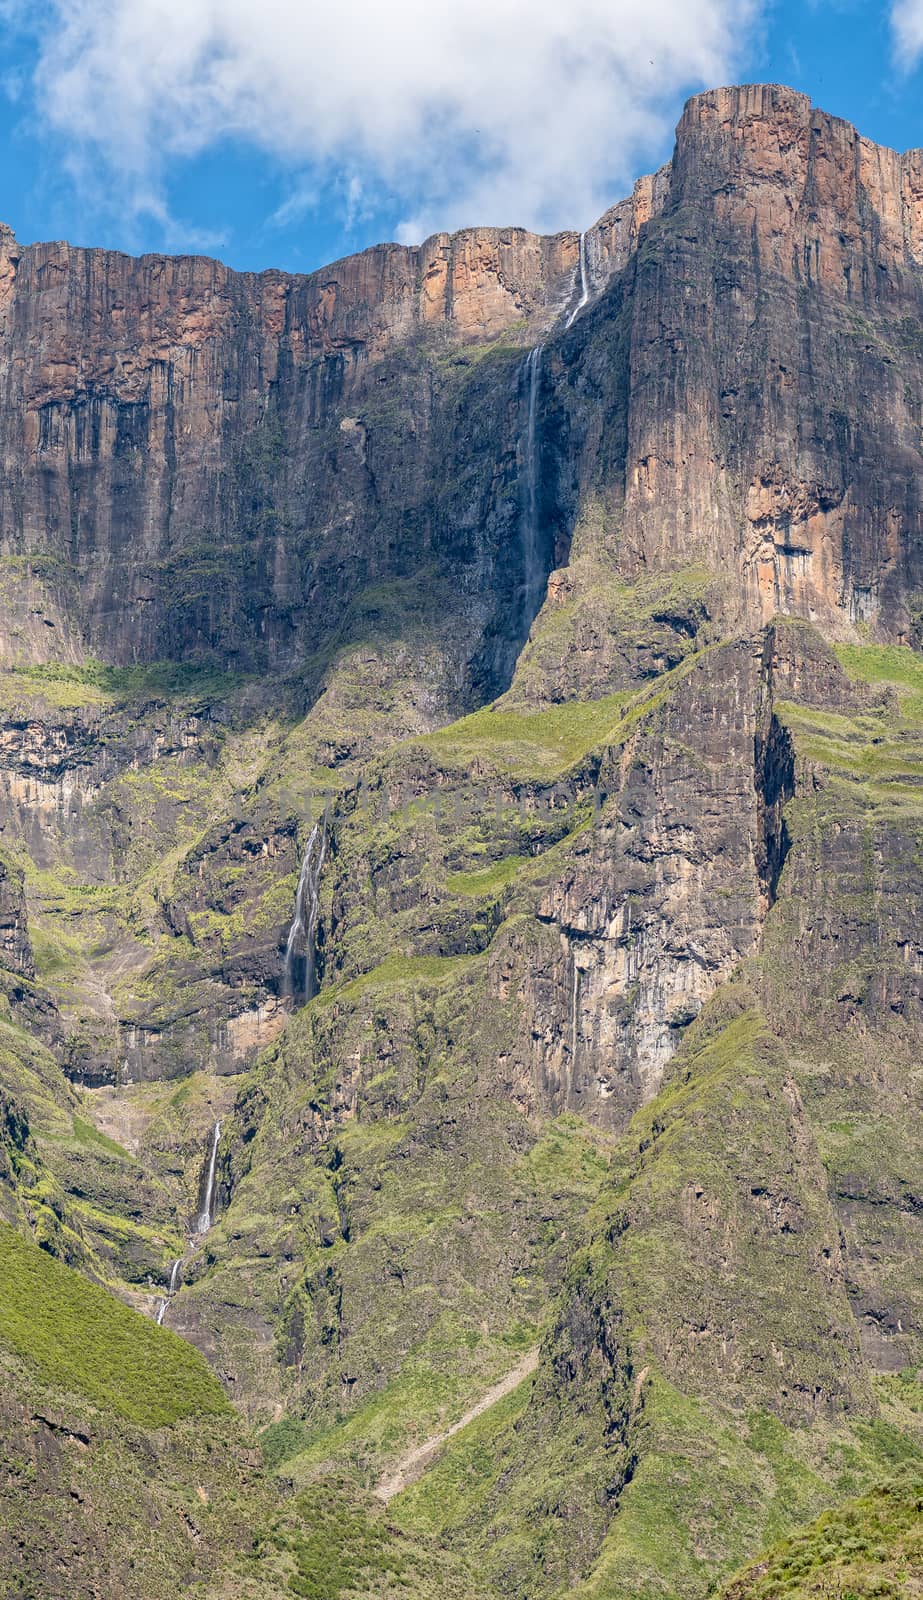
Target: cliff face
(15, 949)
(209, 453)
(178, 436)
(579, 581)
(785, 434)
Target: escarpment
(461, 758)
(215, 454)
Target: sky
(288, 133)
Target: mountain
(461, 788)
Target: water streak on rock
(173, 1286)
(584, 284)
(205, 1218)
(301, 949)
(533, 566)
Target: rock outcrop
(15, 948)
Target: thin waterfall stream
(584, 284)
(174, 1285)
(301, 949)
(533, 567)
(203, 1223)
(530, 508)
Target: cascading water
(584, 284)
(301, 949)
(530, 516)
(204, 1221)
(174, 1284)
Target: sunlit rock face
(224, 460)
(784, 432)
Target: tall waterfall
(205, 1218)
(301, 949)
(533, 566)
(584, 284)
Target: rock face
(593, 627)
(666, 898)
(15, 949)
(789, 439)
(267, 473)
(206, 451)
(178, 434)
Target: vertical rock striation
(208, 450)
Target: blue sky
(272, 134)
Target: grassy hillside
(871, 1548)
(83, 1341)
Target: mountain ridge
(586, 613)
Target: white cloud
(907, 24)
(303, 198)
(487, 111)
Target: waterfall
(174, 1284)
(205, 1219)
(584, 284)
(202, 1224)
(530, 530)
(301, 949)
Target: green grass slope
(870, 1548)
(332, 1542)
(658, 1444)
(82, 1340)
(125, 1471)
